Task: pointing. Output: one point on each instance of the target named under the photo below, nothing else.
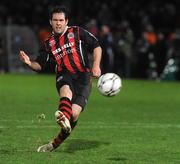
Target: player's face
(58, 22)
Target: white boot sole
(65, 124)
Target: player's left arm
(97, 53)
(93, 45)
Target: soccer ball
(109, 84)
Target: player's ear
(67, 20)
(50, 21)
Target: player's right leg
(63, 121)
(57, 141)
(63, 135)
(64, 114)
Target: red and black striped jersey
(69, 50)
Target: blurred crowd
(139, 39)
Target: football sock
(65, 106)
(62, 136)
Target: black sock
(62, 136)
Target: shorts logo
(59, 78)
(86, 100)
(70, 35)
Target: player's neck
(60, 34)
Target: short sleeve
(88, 39)
(43, 56)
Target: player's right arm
(31, 64)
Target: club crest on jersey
(70, 35)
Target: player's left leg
(76, 110)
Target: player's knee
(65, 91)
(76, 110)
(75, 115)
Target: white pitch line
(36, 124)
(3, 127)
(30, 121)
(29, 127)
(99, 126)
(36, 121)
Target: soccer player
(69, 47)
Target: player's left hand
(96, 71)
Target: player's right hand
(24, 58)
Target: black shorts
(80, 85)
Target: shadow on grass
(74, 145)
(4, 151)
(117, 159)
(12, 151)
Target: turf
(138, 126)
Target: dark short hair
(58, 9)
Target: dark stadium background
(138, 37)
(140, 125)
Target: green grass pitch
(138, 126)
